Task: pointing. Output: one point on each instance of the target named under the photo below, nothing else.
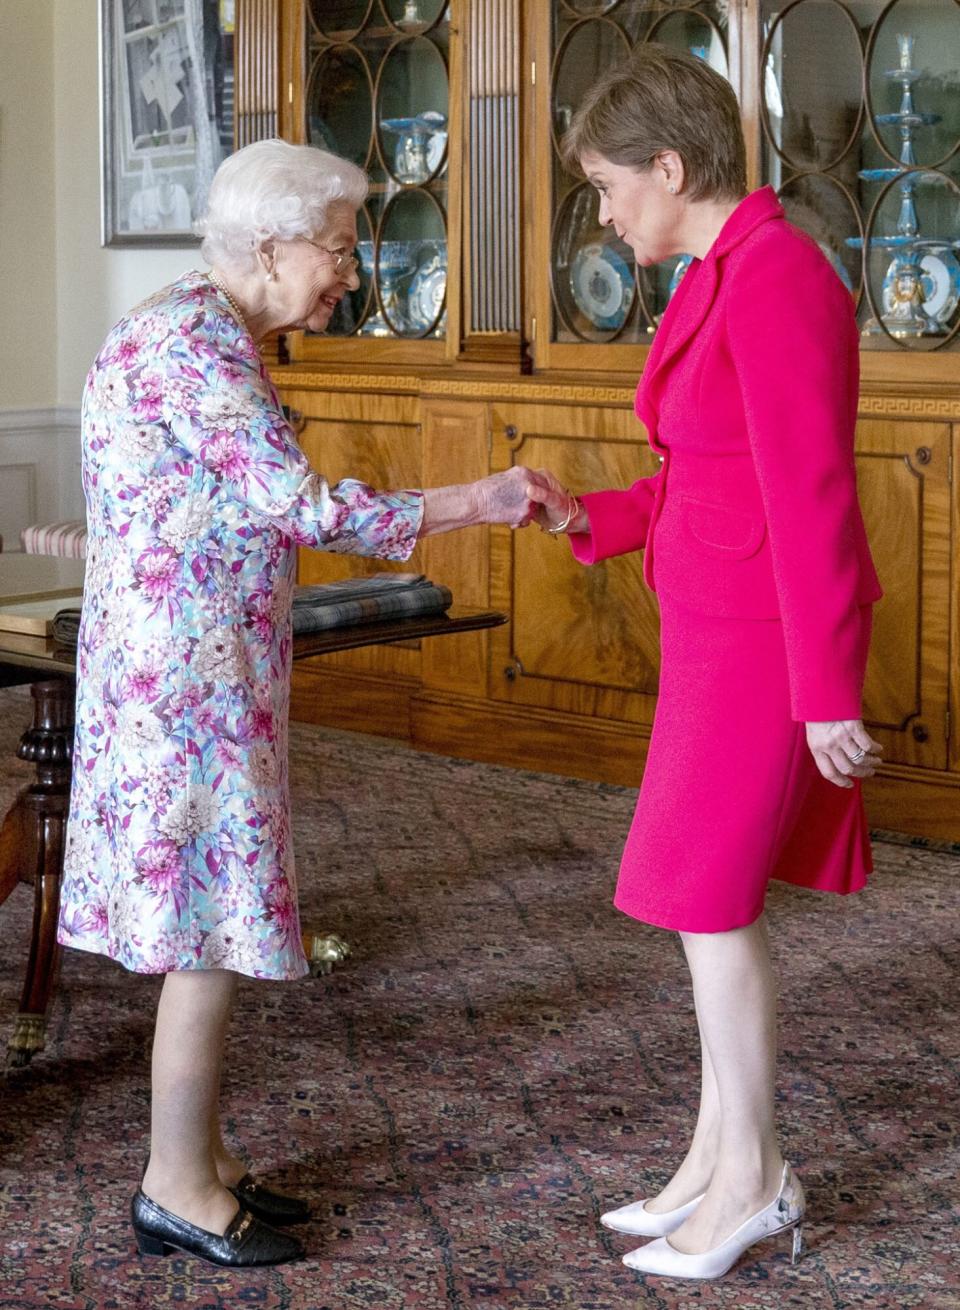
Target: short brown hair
(660, 99)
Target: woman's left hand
(843, 749)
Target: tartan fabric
(68, 538)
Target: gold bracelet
(573, 509)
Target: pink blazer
(749, 396)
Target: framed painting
(166, 114)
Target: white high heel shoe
(785, 1212)
(638, 1221)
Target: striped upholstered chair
(68, 538)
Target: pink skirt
(731, 796)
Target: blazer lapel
(687, 310)
(693, 298)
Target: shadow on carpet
(503, 1058)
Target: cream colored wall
(61, 291)
(94, 286)
(27, 201)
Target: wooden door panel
(902, 472)
(584, 640)
(375, 439)
(455, 449)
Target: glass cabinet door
(860, 116)
(377, 92)
(597, 292)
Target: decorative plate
(602, 286)
(941, 285)
(940, 279)
(427, 287)
(435, 150)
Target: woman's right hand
(553, 503)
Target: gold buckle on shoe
(242, 1227)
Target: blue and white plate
(602, 286)
(940, 279)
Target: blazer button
(660, 458)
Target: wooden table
(32, 832)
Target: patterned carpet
(504, 1057)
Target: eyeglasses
(344, 263)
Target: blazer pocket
(725, 533)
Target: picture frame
(166, 115)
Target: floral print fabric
(178, 841)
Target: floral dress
(178, 841)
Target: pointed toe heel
(784, 1214)
(797, 1251)
(637, 1221)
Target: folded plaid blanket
(331, 604)
(66, 627)
(364, 600)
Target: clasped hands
(520, 496)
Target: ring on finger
(857, 756)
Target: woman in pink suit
(755, 546)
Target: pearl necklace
(219, 284)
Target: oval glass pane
(412, 99)
(592, 270)
(589, 8)
(411, 267)
(589, 51)
(819, 205)
(913, 279)
(692, 32)
(913, 83)
(409, 15)
(350, 313)
(812, 85)
(339, 104)
(341, 20)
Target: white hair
(273, 190)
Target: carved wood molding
(943, 407)
(473, 388)
(309, 381)
(533, 392)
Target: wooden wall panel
(378, 440)
(581, 640)
(455, 449)
(902, 469)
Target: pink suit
(756, 548)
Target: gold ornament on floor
(324, 950)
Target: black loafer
(272, 1207)
(246, 1242)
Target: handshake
(521, 496)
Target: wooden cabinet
(498, 323)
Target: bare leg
(696, 1169)
(735, 995)
(192, 1020)
(230, 1168)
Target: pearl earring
(672, 189)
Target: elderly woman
(756, 548)
(179, 856)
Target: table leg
(49, 745)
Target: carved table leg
(49, 745)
